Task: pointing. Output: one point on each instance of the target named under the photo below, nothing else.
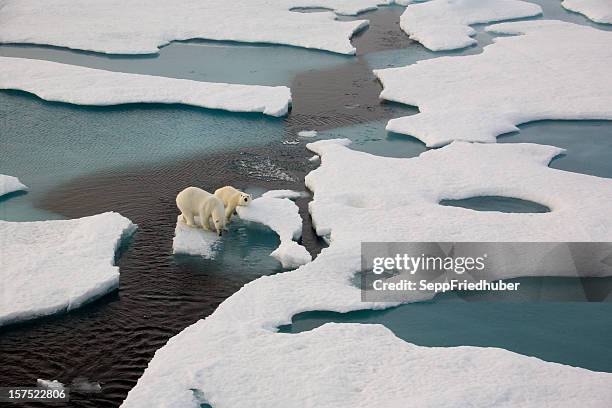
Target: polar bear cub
(232, 198)
(194, 201)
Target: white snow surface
(195, 240)
(49, 384)
(307, 133)
(55, 266)
(445, 24)
(142, 27)
(599, 11)
(10, 184)
(234, 358)
(275, 210)
(53, 81)
(549, 70)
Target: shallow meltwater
(549, 319)
(497, 203)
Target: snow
(53, 81)
(307, 133)
(139, 27)
(195, 241)
(10, 184)
(275, 210)
(358, 198)
(550, 70)
(49, 384)
(445, 24)
(599, 11)
(56, 266)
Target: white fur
(194, 201)
(232, 198)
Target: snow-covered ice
(10, 184)
(307, 133)
(56, 266)
(58, 82)
(276, 210)
(548, 70)
(353, 365)
(49, 384)
(599, 11)
(445, 24)
(195, 241)
(137, 27)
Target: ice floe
(49, 384)
(53, 81)
(359, 197)
(134, 27)
(445, 24)
(10, 184)
(307, 133)
(599, 11)
(548, 70)
(275, 209)
(195, 240)
(56, 266)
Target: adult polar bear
(232, 198)
(194, 201)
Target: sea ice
(56, 266)
(276, 210)
(49, 384)
(307, 133)
(354, 365)
(10, 184)
(53, 81)
(195, 241)
(548, 70)
(136, 27)
(599, 11)
(445, 24)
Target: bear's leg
(228, 212)
(188, 219)
(205, 219)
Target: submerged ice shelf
(276, 210)
(445, 25)
(515, 77)
(53, 81)
(10, 184)
(131, 27)
(54, 266)
(351, 205)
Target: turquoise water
(568, 332)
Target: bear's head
(245, 199)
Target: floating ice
(195, 240)
(599, 11)
(445, 24)
(134, 27)
(49, 384)
(56, 266)
(314, 158)
(307, 133)
(353, 365)
(10, 184)
(552, 70)
(53, 81)
(277, 211)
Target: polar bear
(231, 199)
(194, 201)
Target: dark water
(112, 340)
